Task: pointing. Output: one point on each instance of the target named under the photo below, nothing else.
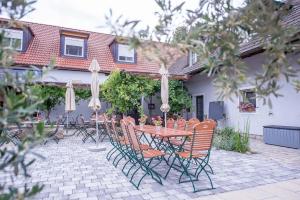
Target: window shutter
(85, 49)
(27, 37)
(62, 45)
(135, 57)
(115, 52)
(189, 58)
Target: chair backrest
(124, 123)
(130, 119)
(114, 130)
(58, 123)
(134, 141)
(170, 123)
(213, 122)
(108, 128)
(100, 117)
(202, 137)
(181, 123)
(81, 120)
(191, 123)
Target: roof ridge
(56, 26)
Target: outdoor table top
(163, 132)
(31, 122)
(99, 120)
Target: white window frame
(14, 34)
(69, 40)
(239, 99)
(193, 57)
(130, 51)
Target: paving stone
(70, 171)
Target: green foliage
(52, 94)
(230, 140)
(215, 31)
(124, 91)
(179, 97)
(19, 100)
(82, 94)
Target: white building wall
(285, 110)
(63, 76)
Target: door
(200, 107)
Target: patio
(70, 171)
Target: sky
(89, 14)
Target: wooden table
(163, 132)
(163, 135)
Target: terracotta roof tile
(46, 46)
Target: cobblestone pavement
(71, 171)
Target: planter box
(286, 136)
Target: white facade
(285, 110)
(64, 76)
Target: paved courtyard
(71, 171)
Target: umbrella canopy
(70, 98)
(164, 90)
(95, 102)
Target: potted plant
(246, 107)
(142, 120)
(157, 121)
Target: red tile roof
(46, 46)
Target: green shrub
(230, 140)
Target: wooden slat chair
(189, 127)
(101, 128)
(111, 136)
(199, 152)
(213, 122)
(86, 130)
(191, 123)
(124, 124)
(143, 157)
(162, 142)
(54, 135)
(122, 142)
(130, 119)
(181, 123)
(80, 126)
(187, 144)
(170, 123)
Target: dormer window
(74, 47)
(74, 44)
(193, 57)
(13, 39)
(125, 53)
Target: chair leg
(170, 167)
(124, 156)
(110, 151)
(113, 152)
(120, 153)
(185, 171)
(123, 169)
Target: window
(125, 54)
(193, 58)
(13, 39)
(74, 47)
(247, 100)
